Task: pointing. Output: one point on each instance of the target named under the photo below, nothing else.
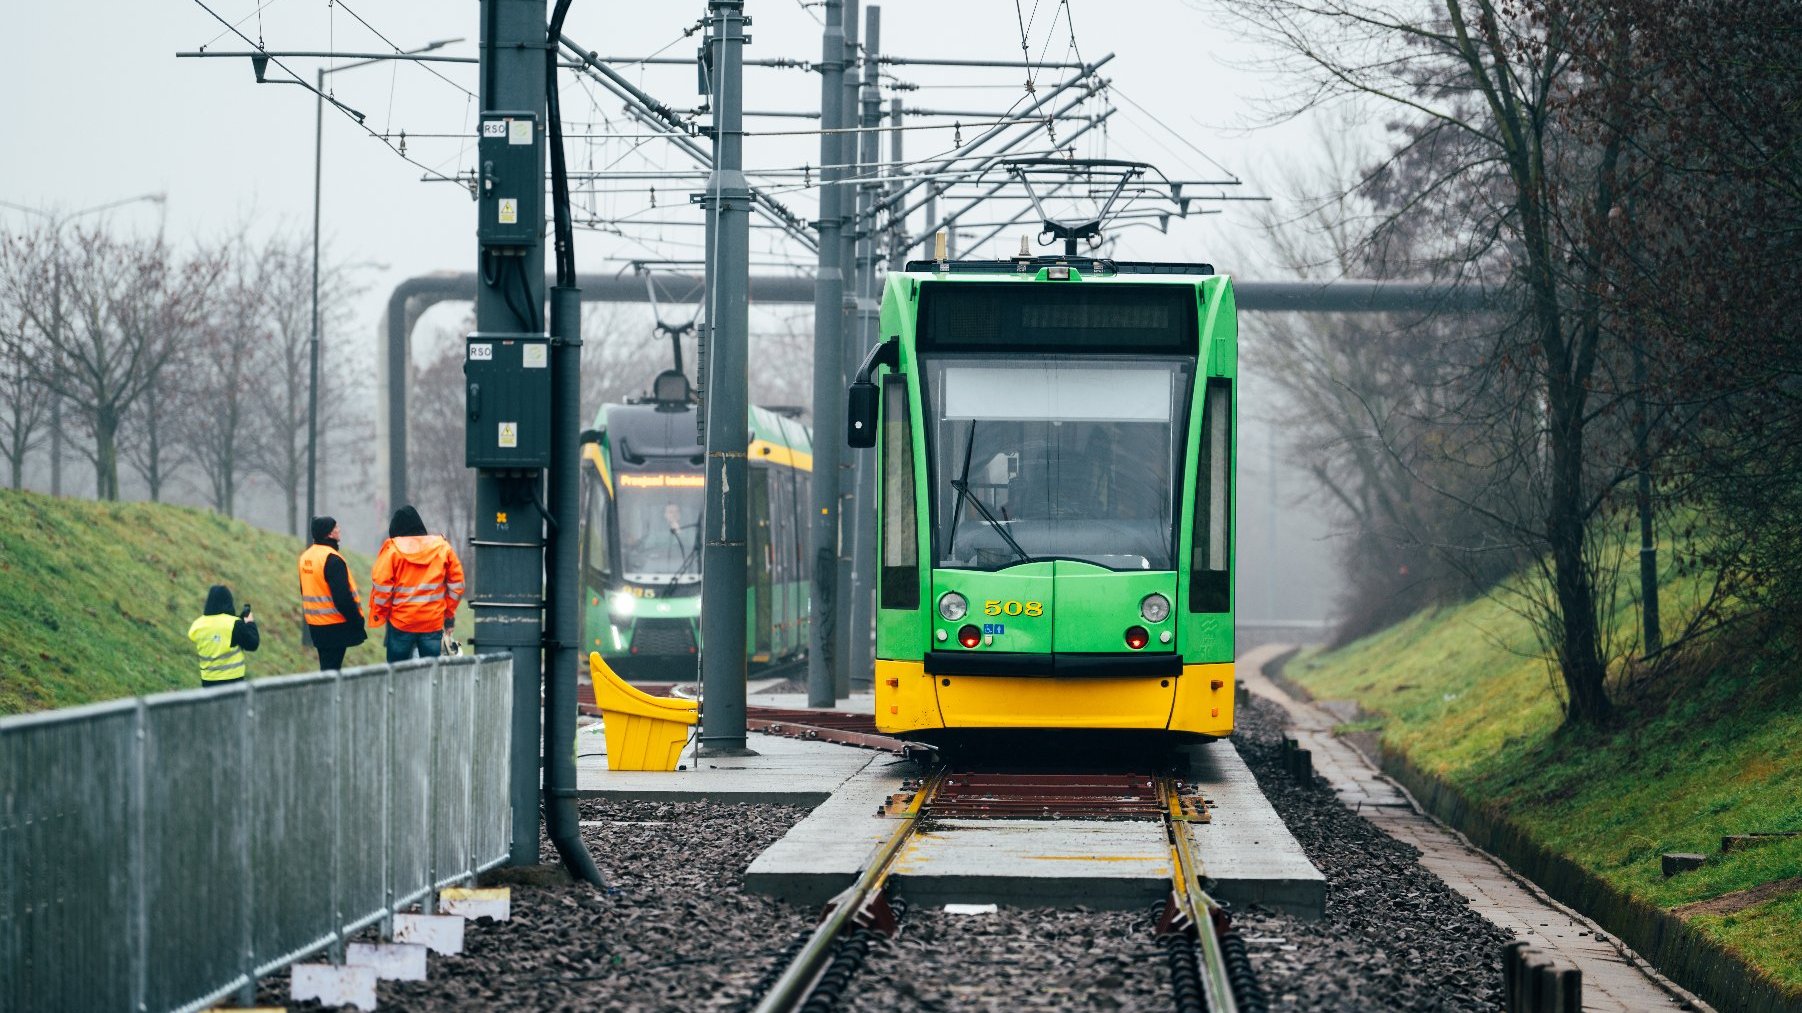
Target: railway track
(1209, 970)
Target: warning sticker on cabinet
(509, 211)
(519, 131)
(534, 357)
(509, 435)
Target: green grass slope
(1464, 694)
(96, 598)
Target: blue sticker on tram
(994, 629)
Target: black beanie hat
(322, 529)
(406, 522)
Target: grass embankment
(1464, 694)
(96, 598)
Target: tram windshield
(659, 522)
(1058, 457)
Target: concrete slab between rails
(782, 771)
(1092, 863)
(1245, 848)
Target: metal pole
(897, 230)
(860, 660)
(313, 344)
(828, 349)
(847, 475)
(508, 598)
(1648, 542)
(723, 555)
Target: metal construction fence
(165, 852)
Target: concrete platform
(1093, 863)
(783, 772)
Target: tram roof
(1090, 268)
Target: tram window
(598, 560)
(900, 535)
(1210, 569)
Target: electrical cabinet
(510, 184)
(507, 385)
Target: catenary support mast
(726, 401)
(828, 349)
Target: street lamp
(258, 64)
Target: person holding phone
(221, 636)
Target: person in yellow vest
(221, 637)
(328, 597)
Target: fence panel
(292, 804)
(165, 851)
(451, 772)
(66, 836)
(410, 782)
(363, 779)
(490, 795)
(197, 871)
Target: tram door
(759, 564)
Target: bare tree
(128, 305)
(283, 372)
(1508, 155)
(24, 402)
(221, 429)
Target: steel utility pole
(726, 400)
(828, 350)
(845, 480)
(508, 597)
(860, 659)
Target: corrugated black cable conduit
(1185, 968)
(847, 959)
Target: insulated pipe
(411, 298)
(563, 561)
(562, 824)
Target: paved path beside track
(1614, 977)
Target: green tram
(1055, 446)
(642, 483)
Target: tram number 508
(1012, 608)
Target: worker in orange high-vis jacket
(328, 596)
(418, 582)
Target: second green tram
(1055, 444)
(642, 489)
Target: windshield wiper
(964, 493)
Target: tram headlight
(1155, 608)
(952, 606)
(622, 603)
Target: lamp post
(313, 342)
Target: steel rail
(1193, 904)
(790, 992)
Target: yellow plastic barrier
(644, 732)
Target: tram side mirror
(860, 415)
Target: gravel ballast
(677, 931)
(1393, 937)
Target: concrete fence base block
(392, 961)
(332, 985)
(494, 902)
(441, 934)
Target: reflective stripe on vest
(212, 637)
(315, 596)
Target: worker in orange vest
(418, 582)
(328, 596)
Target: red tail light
(969, 636)
(1136, 637)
